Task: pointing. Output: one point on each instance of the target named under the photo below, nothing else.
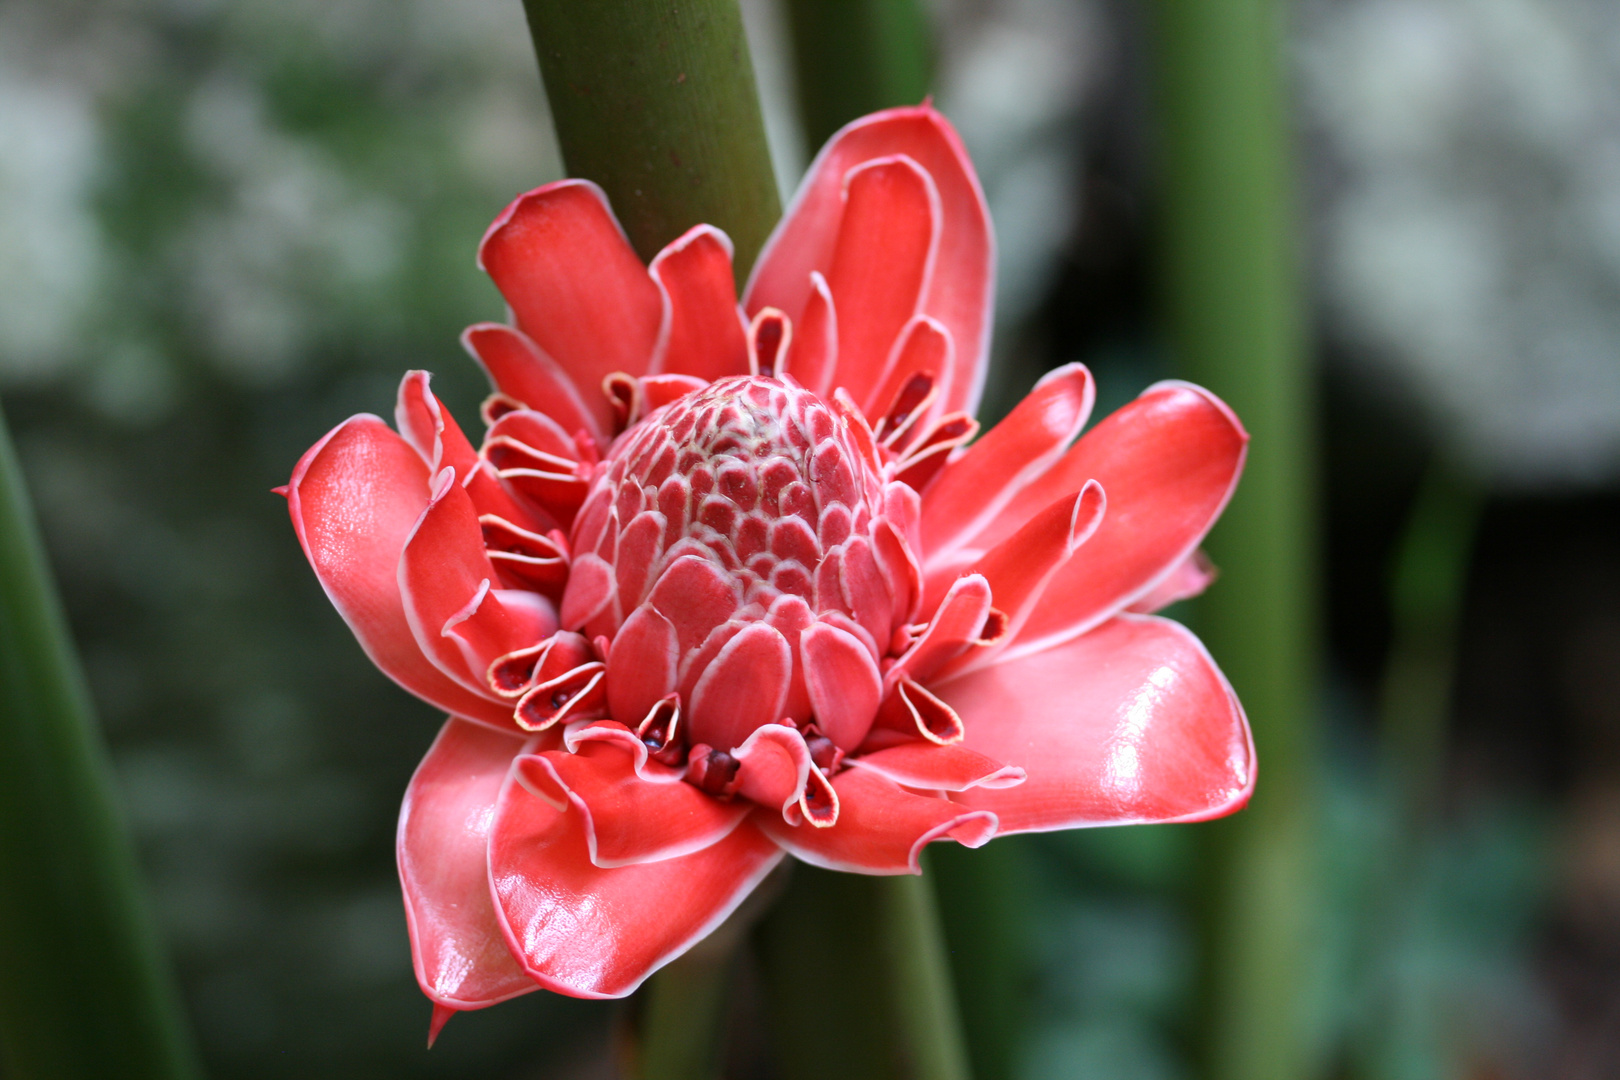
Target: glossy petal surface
(460, 954)
(961, 287)
(1131, 722)
(560, 259)
(1169, 462)
(589, 932)
(881, 827)
(354, 498)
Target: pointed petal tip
(441, 1017)
(281, 490)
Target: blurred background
(225, 225)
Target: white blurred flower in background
(1471, 239)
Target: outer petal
(1195, 574)
(593, 933)
(1011, 457)
(460, 954)
(354, 498)
(924, 765)
(702, 332)
(960, 291)
(1169, 461)
(881, 264)
(881, 827)
(629, 819)
(1132, 722)
(576, 287)
(518, 369)
(461, 623)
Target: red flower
(726, 583)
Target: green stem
(84, 988)
(656, 103)
(681, 1029)
(859, 983)
(1427, 591)
(1234, 306)
(857, 56)
(924, 1001)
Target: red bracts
(726, 581)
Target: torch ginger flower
(725, 582)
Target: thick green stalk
(84, 988)
(857, 56)
(1232, 287)
(681, 1034)
(859, 980)
(656, 103)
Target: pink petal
(430, 428)
(354, 497)
(939, 768)
(744, 687)
(843, 683)
(642, 665)
(628, 820)
(702, 332)
(1019, 568)
(880, 265)
(962, 285)
(813, 354)
(1195, 574)
(773, 768)
(461, 623)
(971, 491)
(521, 371)
(588, 932)
(1131, 722)
(955, 628)
(881, 828)
(924, 347)
(575, 285)
(1169, 461)
(659, 390)
(460, 954)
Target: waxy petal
(880, 264)
(813, 353)
(354, 497)
(457, 947)
(972, 490)
(881, 827)
(1020, 567)
(773, 768)
(1169, 461)
(745, 686)
(628, 820)
(428, 426)
(1132, 722)
(1195, 574)
(924, 348)
(702, 330)
(575, 285)
(642, 665)
(843, 682)
(593, 933)
(520, 370)
(461, 623)
(961, 287)
(957, 625)
(939, 768)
